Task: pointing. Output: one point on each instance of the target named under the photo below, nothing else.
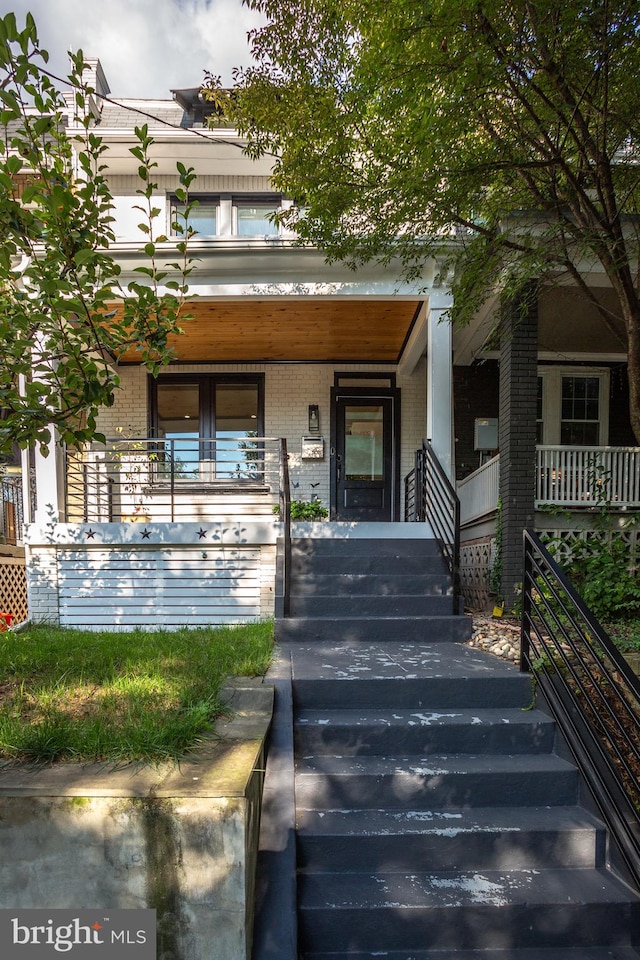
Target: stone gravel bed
(496, 635)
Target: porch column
(49, 470)
(517, 434)
(440, 379)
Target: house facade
(290, 365)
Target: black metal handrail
(285, 517)
(434, 500)
(591, 690)
(161, 478)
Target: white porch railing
(478, 493)
(585, 476)
(566, 476)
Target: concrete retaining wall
(178, 839)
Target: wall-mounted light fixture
(314, 418)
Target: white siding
(122, 588)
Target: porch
(574, 478)
(572, 484)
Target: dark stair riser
(362, 584)
(394, 548)
(526, 953)
(411, 790)
(370, 606)
(337, 629)
(369, 564)
(480, 850)
(440, 693)
(465, 927)
(413, 737)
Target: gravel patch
(495, 635)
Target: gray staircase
(435, 818)
(369, 588)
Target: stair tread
(455, 889)
(406, 660)
(452, 822)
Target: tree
(65, 316)
(502, 136)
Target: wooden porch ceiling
(293, 330)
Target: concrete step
(442, 782)
(401, 676)
(368, 629)
(449, 910)
(393, 547)
(338, 584)
(524, 953)
(498, 838)
(370, 564)
(362, 733)
(370, 606)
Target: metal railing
(11, 510)
(592, 692)
(285, 518)
(430, 497)
(195, 478)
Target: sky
(146, 47)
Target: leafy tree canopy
(65, 315)
(501, 135)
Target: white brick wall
(289, 389)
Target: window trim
(207, 397)
(552, 401)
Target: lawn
(118, 697)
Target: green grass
(118, 697)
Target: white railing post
(568, 476)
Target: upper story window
(203, 217)
(252, 217)
(220, 215)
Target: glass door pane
(238, 456)
(364, 442)
(179, 421)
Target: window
(252, 217)
(209, 425)
(203, 217)
(573, 406)
(580, 416)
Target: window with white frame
(203, 218)
(573, 406)
(252, 216)
(240, 215)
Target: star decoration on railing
(90, 534)
(201, 534)
(145, 534)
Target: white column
(440, 378)
(50, 503)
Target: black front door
(363, 453)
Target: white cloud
(146, 47)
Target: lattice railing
(13, 588)
(476, 562)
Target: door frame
(374, 393)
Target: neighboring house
(173, 521)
